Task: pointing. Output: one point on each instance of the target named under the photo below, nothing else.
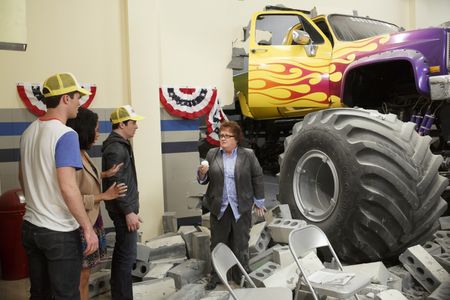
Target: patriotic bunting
(215, 117)
(191, 103)
(32, 97)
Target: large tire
(367, 179)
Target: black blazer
(248, 176)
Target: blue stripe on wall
(17, 128)
(179, 125)
(179, 147)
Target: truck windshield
(351, 28)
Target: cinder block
(140, 268)
(280, 229)
(373, 288)
(283, 256)
(284, 277)
(216, 295)
(432, 248)
(165, 247)
(186, 233)
(262, 273)
(445, 222)
(442, 234)
(170, 221)
(176, 261)
(143, 252)
(189, 292)
(259, 239)
(262, 258)
(187, 272)
(110, 239)
(99, 283)
(442, 292)
(157, 289)
(205, 220)
(158, 271)
(395, 282)
(280, 211)
(444, 260)
(423, 267)
(377, 271)
(204, 229)
(201, 249)
(444, 243)
(390, 295)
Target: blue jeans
(124, 256)
(54, 260)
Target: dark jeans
(235, 235)
(54, 260)
(124, 256)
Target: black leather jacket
(115, 150)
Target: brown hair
(234, 128)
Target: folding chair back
(223, 260)
(305, 239)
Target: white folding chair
(223, 259)
(301, 242)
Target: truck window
(276, 25)
(324, 27)
(352, 28)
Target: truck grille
(448, 51)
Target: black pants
(235, 235)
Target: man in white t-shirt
(50, 156)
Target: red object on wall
(14, 262)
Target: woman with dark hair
(89, 182)
(235, 188)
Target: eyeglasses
(225, 136)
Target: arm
(258, 185)
(72, 197)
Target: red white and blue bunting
(191, 103)
(31, 95)
(215, 117)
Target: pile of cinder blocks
(176, 264)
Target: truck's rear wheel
(367, 179)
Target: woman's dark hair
(234, 128)
(84, 124)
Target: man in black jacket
(122, 211)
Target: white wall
(428, 13)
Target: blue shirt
(229, 196)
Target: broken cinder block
(166, 246)
(187, 272)
(424, 268)
(281, 228)
(157, 289)
(259, 239)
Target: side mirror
(301, 37)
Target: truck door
(283, 74)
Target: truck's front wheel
(367, 179)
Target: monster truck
(367, 159)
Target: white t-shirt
(44, 147)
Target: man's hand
(91, 240)
(132, 221)
(112, 171)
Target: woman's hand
(259, 210)
(112, 171)
(115, 191)
(203, 169)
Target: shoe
(211, 285)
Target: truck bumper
(440, 87)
